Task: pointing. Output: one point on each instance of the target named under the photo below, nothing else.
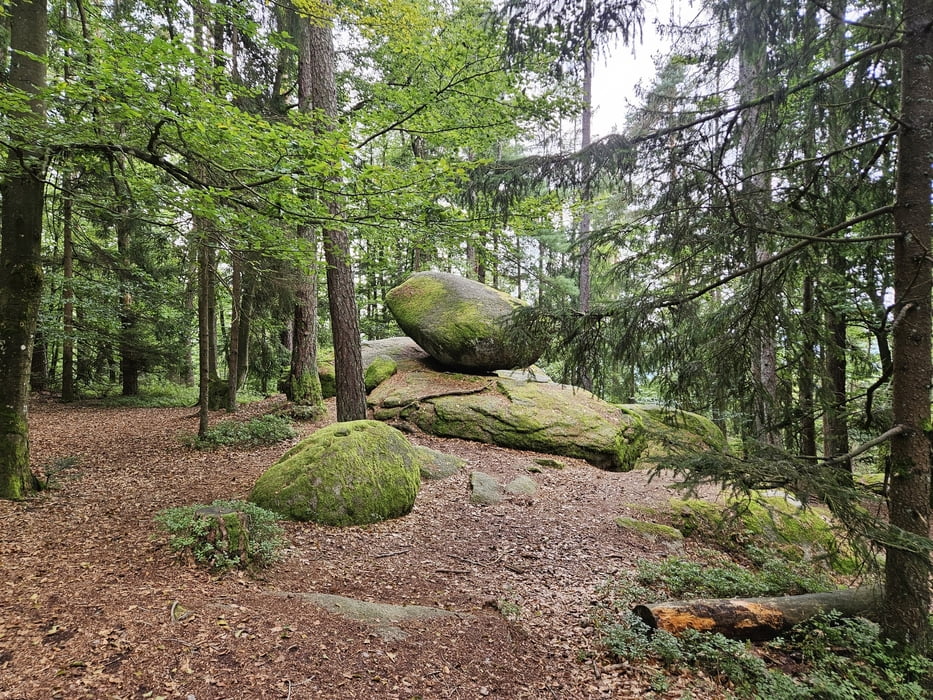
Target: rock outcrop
(345, 474)
(459, 322)
(551, 418)
(670, 431)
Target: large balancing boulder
(459, 322)
(349, 473)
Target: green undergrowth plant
(53, 472)
(224, 535)
(152, 394)
(265, 430)
(157, 394)
(828, 657)
(678, 577)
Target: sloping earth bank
(94, 604)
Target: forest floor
(93, 603)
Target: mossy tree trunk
(20, 248)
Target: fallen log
(756, 618)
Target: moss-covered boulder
(381, 368)
(345, 474)
(439, 465)
(550, 418)
(783, 527)
(670, 431)
(459, 322)
(327, 373)
(381, 358)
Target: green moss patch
(381, 368)
(794, 533)
(671, 431)
(326, 372)
(345, 474)
(650, 529)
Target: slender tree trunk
(835, 405)
(129, 353)
(835, 422)
(805, 377)
(586, 248)
(39, 365)
(20, 249)
(907, 575)
(233, 345)
(247, 299)
(210, 299)
(205, 289)
(304, 384)
(68, 311)
(755, 148)
(341, 295)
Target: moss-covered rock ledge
(550, 418)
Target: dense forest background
(221, 188)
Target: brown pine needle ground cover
(93, 604)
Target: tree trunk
(835, 422)
(233, 345)
(341, 295)
(68, 310)
(204, 331)
(907, 575)
(304, 384)
(345, 325)
(129, 352)
(756, 618)
(586, 248)
(755, 147)
(247, 304)
(210, 300)
(805, 382)
(39, 365)
(21, 249)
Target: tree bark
(233, 345)
(20, 248)
(586, 247)
(39, 365)
(805, 383)
(756, 618)
(247, 306)
(129, 351)
(835, 423)
(68, 310)
(755, 146)
(907, 575)
(341, 295)
(205, 271)
(304, 384)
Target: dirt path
(91, 605)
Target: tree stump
(227, 532)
